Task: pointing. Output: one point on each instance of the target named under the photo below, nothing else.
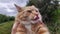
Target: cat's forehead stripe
(30, 8)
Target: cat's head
(28, 13)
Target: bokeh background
(49, 9)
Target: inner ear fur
(18, 8)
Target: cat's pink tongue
(36, 18)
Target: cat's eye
(36, 11)
(29, 11)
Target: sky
(59, 2)
(7, 6)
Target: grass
(5, 28)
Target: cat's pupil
(29, 11)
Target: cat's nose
(36, 14)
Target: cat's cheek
(24, 19)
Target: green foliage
(4, 18)
(11, 18)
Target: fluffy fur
(29, 21)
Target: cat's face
(28, 13)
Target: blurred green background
(49, 9)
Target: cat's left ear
(18, 8)
(33, 6)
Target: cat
(29, 21)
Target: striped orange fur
(29, 21)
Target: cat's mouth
(35, 18)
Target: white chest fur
(29, 31)
(28, 27)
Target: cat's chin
(34, 21)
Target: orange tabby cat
(29, 21)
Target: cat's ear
(18, 8)
(33, 6)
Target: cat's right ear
(18, 8)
